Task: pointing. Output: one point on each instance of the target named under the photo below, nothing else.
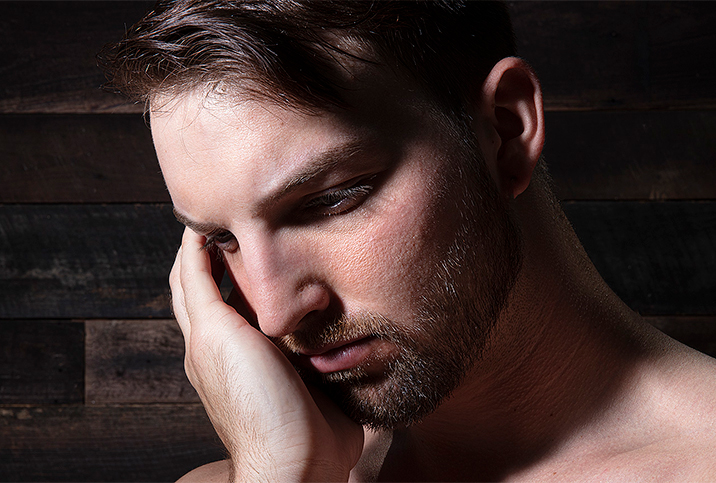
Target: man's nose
(283, 284)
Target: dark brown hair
(284, 50)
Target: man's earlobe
(511, 99)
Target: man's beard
(467, 291)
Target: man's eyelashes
(340, 200)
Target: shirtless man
(411, 302)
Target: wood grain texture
(657, 256)
(136, 361)
(589, 55)
(78, 159)
(86, 261)
(111, 443)
(152, 442)
(607, 55)
(632, 155)
(627, 155)
(41, 362)
(112, 261)
(48, 54)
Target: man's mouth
(340, 356)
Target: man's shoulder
(663, 428)
(673, 435)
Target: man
(411, 302)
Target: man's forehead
(208, 121)
(259, 151)
(377, 98)
(194, 122)
(270, 147)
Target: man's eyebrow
(321, 163)
(318, 165)
(198, 227)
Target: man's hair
(287, 51)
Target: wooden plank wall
(91, 379)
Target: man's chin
(384, 401)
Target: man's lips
(339, 356)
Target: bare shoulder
(216, 472)
(683, 415)
(675, 426)
(664, 429)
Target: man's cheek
(381, 267)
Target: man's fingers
(197, 281)
(178, 302)
(205, 306)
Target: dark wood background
(91, 378)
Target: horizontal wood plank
(141, 361)
(616, 55)
(78, 159)
(657, 256)
(631, 155)
(592, 155)
(111, 443)
(48, 51)
(112, 261)
(86, 261)
(589, 54)
(41, 362)
(136, 361)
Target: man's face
(370, 245)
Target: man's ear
(511, 103)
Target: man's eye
(224, 241)
(340, 200)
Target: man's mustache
(315, 334)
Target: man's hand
(272, 426)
